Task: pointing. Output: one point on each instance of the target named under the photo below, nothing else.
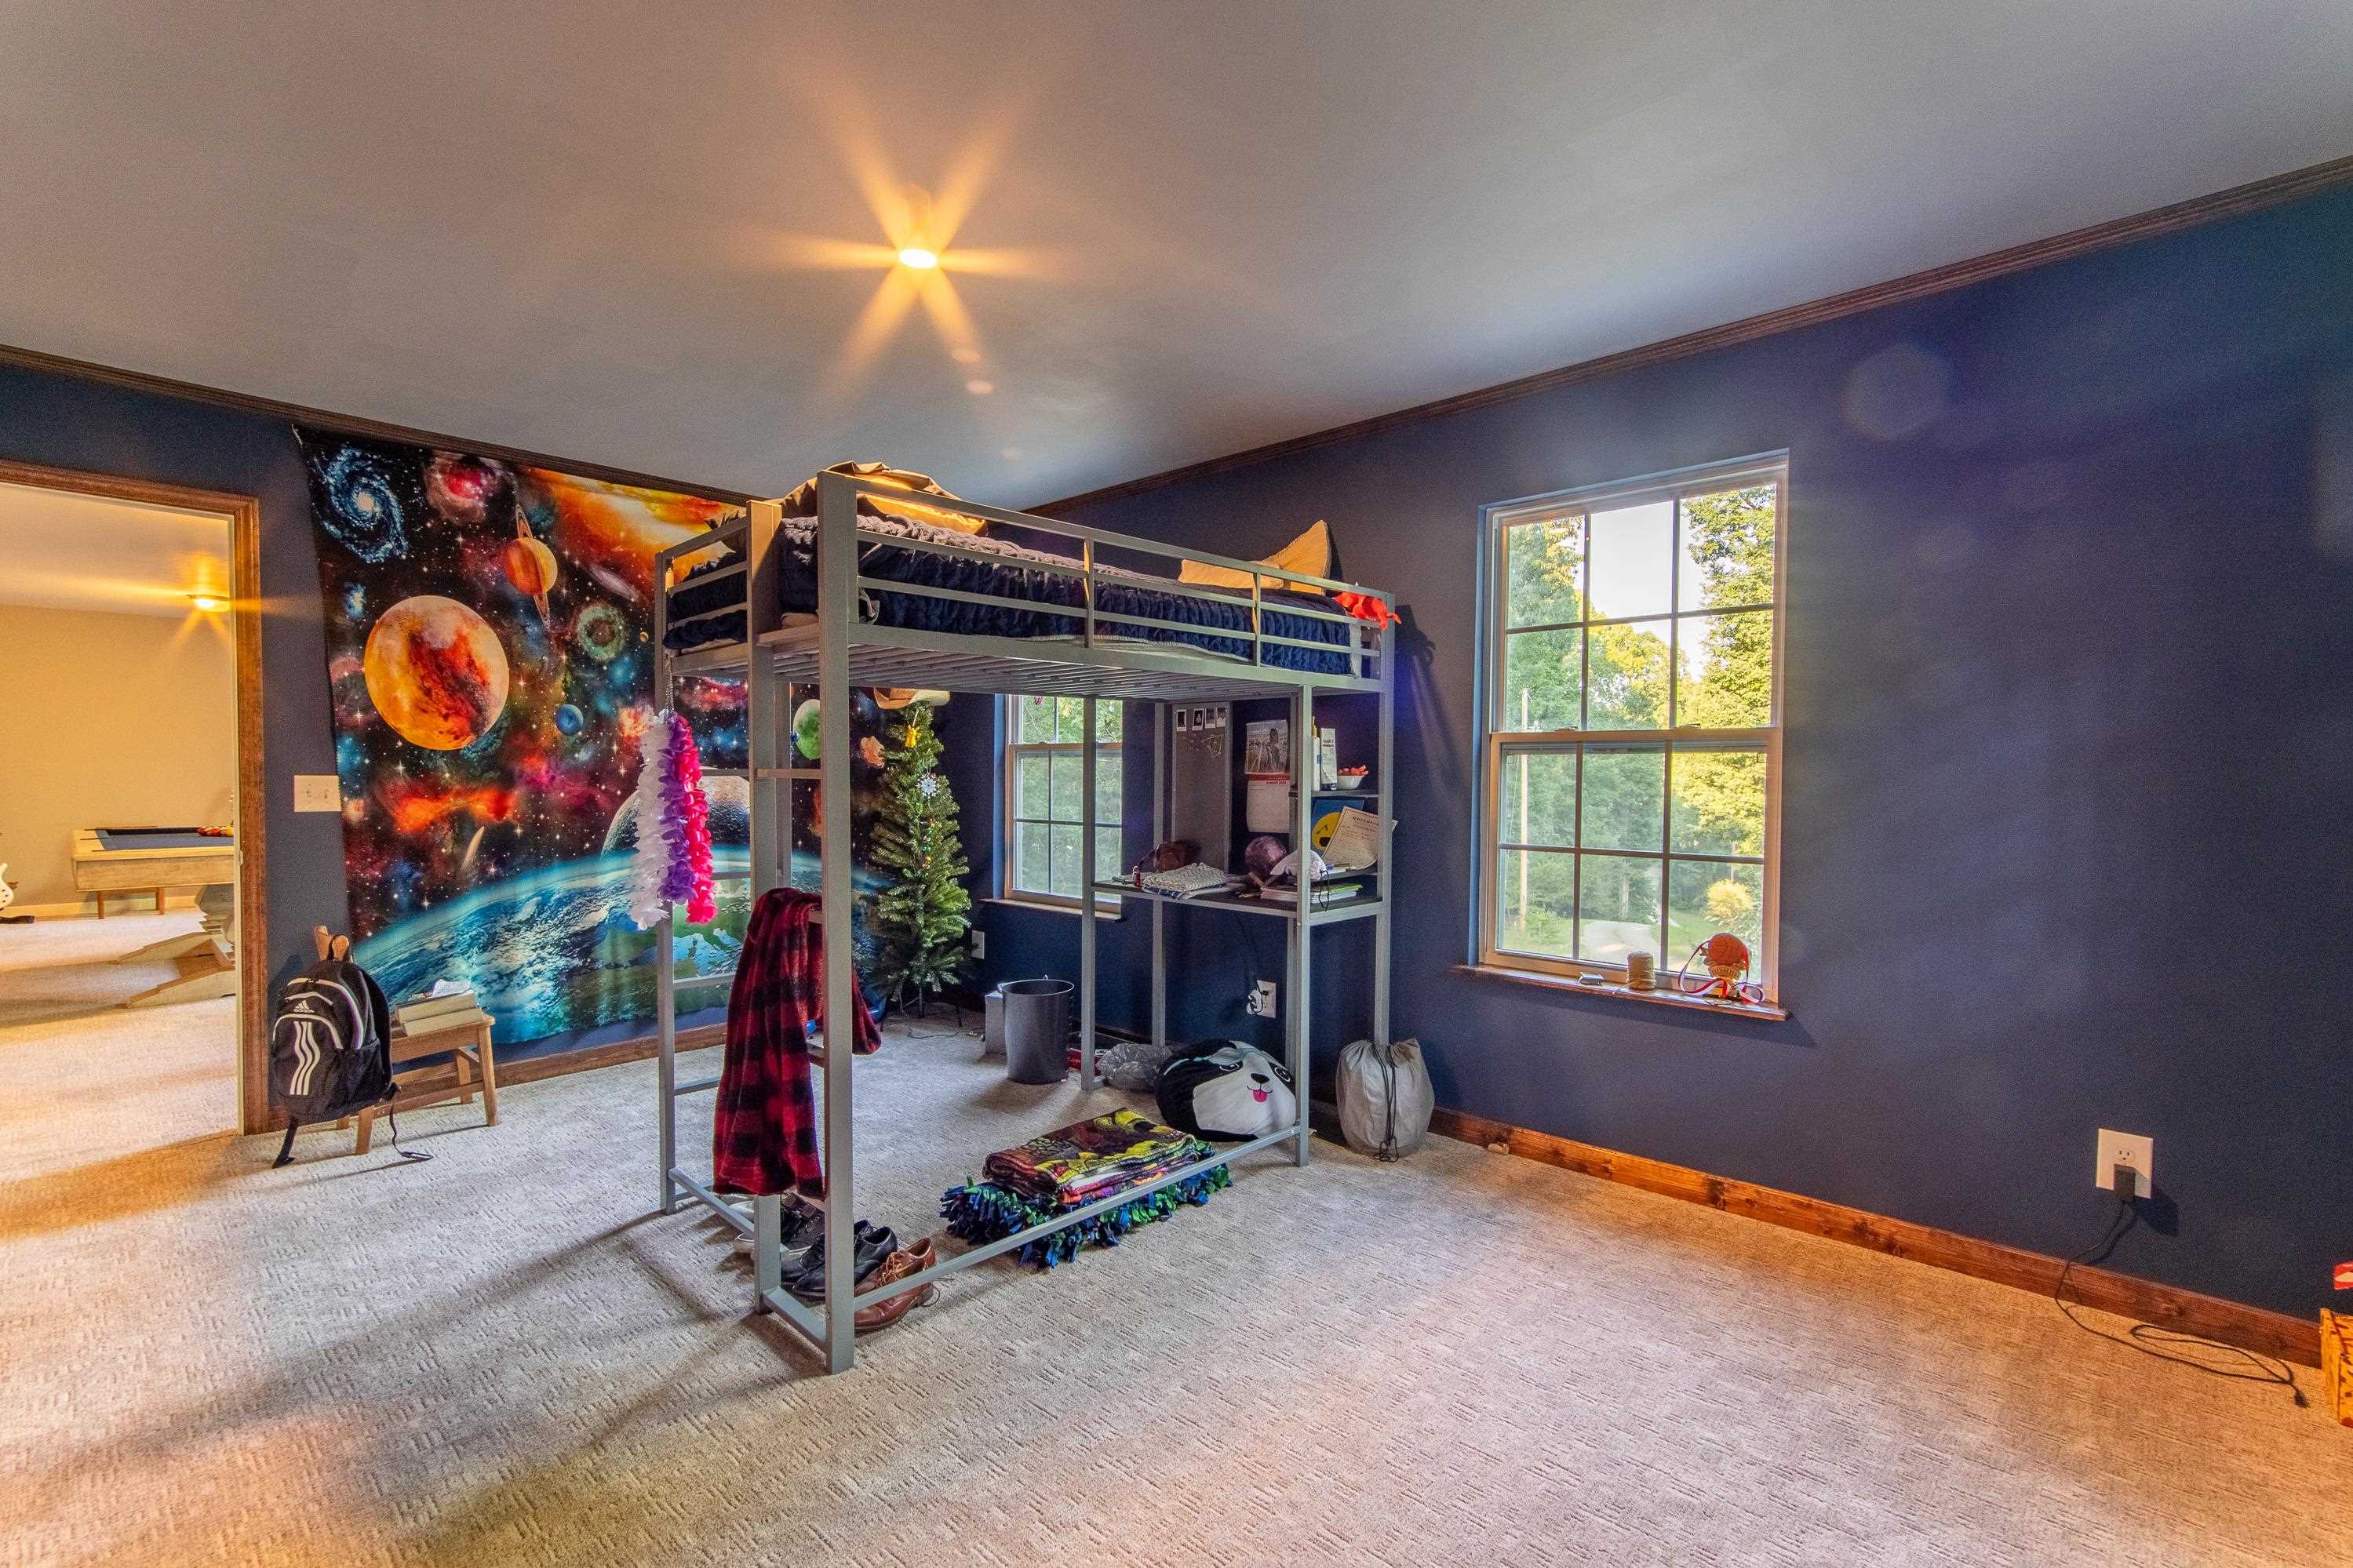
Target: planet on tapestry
(490, 669)
(490, 665)
(436, 672)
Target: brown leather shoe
(897, 1267)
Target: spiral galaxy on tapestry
(490, 664)
(490, 658)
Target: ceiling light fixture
(209, 603)
(916, 256)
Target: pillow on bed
(1310, 553)
(802, 503)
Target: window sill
(1105, 909)
(1617, 991)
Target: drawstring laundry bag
(1385, 1099)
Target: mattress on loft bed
(1012, 576)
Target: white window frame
(1108, 755)
(1497, 744)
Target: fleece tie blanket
(1070, 1167)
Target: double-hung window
(1044, 759)
(1632, 750)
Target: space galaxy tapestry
(490, 661)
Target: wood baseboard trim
(530, 1070)
(88, 908)
(2231, 1323)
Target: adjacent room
(1544, 784)
(118, 850)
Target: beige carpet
(497, 1357)
(83, 1081)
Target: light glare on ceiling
(916, 256)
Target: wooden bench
(470, 1067)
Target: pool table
(128, 859)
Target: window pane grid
(1630, 854)
(1513, 631)
(1045, 761)
(1685, 834)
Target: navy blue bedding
(1010, 578)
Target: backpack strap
(286, 1150)
(393, 1121)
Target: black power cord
(2152, 1341)
(962, 1027)
(1249, 965)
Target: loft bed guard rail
(743, 548)
(841, 567)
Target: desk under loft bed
(857, 596)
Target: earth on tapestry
(491, 661)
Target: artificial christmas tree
(922, 920)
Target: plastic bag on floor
(1133, 1064)
(1385, 1098)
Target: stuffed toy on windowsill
(1726, 958)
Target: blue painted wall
(67, 422)
(2068, 838)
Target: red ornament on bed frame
(1726, 958)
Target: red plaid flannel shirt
(764, 1133)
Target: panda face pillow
(1237, 1091)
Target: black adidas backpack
(331, 1048)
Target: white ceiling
(62, 551)
(609, 230)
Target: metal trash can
(992, 1029)
(1036, 1027)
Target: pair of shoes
(895, 1267)
(869, 1245)
(804, 1226)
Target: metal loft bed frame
(839, 650)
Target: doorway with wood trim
(133, 963)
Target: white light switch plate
(318, 792)
(2126, 1149)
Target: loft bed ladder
(837, 652)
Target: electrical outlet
(2127, 1149)
(1261, 1001)
(979, 942)
(318, 792)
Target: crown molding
(343, 424)
(2277, 190)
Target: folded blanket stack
(1073, 1166)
